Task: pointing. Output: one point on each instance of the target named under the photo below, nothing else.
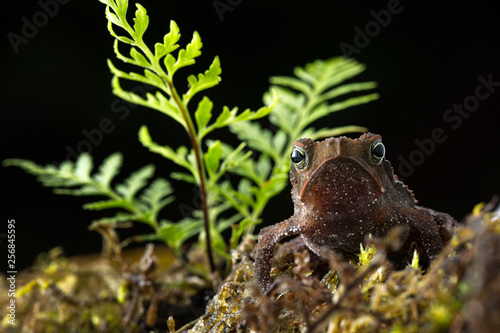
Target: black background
(426, 59)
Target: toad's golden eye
(377, 152)
(299, 158)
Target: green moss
(373, 298)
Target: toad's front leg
(268, 238)
(435, 228)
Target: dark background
(426, 59)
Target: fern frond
(315, 92)
(320, 82)
(76, 178)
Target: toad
(344, 190)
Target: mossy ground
(459, 292)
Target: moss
(459, 292)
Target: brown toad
(343, 190)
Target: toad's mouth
(340, 181)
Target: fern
(76, 178)
(160, 66)
(257, 168)
(307, 97)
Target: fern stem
(156, 68)
(201, 171)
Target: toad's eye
(299, 158)
(377, 152)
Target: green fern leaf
(305, 99)
(113, 18)
(157, 101)
(185, 57)
(109, 169)
(105, 204)
(346, 89)
(157, 196)
(135, 182)
(212, 157)
(175, 234)
(141, 21)
(203, 113)
(185, 177)
(85, 190)
(293, 83)
(179, 157)
(256, 137)
(68, 174)
(210, 78)
(83, 167)
(76, 179)
(139, 59)
(169, 42)
(233, 157)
